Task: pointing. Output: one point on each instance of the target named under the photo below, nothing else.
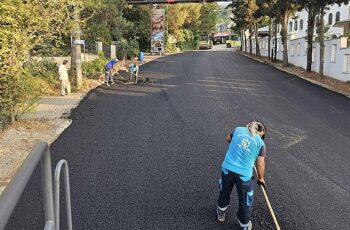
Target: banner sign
(157, 36)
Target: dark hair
(65, 62)
(261, 127)
(256, 126)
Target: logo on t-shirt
(245, 145)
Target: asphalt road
(149, 156)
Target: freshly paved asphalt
(149, 156)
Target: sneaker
(108, 84)
(221, 215)
(247, 227)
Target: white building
(297, 25)
(337, 50)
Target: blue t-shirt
(132, 68)
(242, 153)
(110, 64)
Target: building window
(290, 26)
(298, 49)
(330, 19)
(313, 54)
(337, 17)
(292, 50)
(334, 53)
(296, 25)
(301, 24)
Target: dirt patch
(325, 81)
(18, 140)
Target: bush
(17, 93)
(45, 75)
(46, 69)
(90, 69)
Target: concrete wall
(59, 60)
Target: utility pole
(76, 50)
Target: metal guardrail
(10, 196)
(59, 166)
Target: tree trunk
(284, 32)
(250, 41)
(322, 41)
(310, 37)
(257, 47)
(245, 42)
(242, 34)
(269, 41)
(276, 40)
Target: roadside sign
(79, 42)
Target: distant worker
(141, 56)
(134, 70)
(246, 147)
(63, 77)
(109, 71)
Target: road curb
(302, 77)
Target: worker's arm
(260, 167)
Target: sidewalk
(47, 122)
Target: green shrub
(170, 47)
(90, 69)
(46, 69)
(45, 75)
(18, 92)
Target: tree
(315, 7)
(185, 22)
(176, 19)
(267, 8)
(140, 17)
(284, 9)
(107, 21)
(208, 17)
(243, 11)
(23, 32)
(238, 17)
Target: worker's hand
(261, 182)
